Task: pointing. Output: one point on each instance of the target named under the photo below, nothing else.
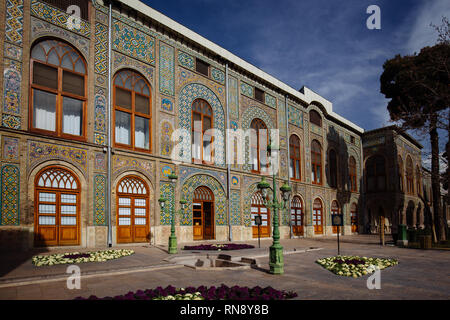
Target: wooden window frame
(202, 116)
(312, 120)
(60, 94)
(314, 217)
(315, 165)
(258, 150)
(292, 157)
(133, 113)
(206, 64)
(260, 93)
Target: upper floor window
(259, 95)
(333, 168)
(315, 118)
(202, 67)
(58, 90)
(400, 173)
(409, 176)
(202, 122)
(295, 162)
(352, 173)
(132, 111)
(376, 174)
(258, 146)
(316, 162)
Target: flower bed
(354, 266)
(203, 293)
(219, 247)
(76, 257)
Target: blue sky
(322, 44)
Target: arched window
(409, 176)
(335, 210)
(58, 90)
(258, 146)
(132, 111)
(132, 210)
(294, 166)
(333, 168)
(315, 118)
(318, 216)
(376, 174)
(57, 207)
(418, 181)
(202, 122)
(259, 209)
(203, 213)
(400, 173)
(354, 217)
(297, 216)
(316, 162)
(352, 173)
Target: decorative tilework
(133, 42)
(13, 51)
(271, 101)
(187, 192)
(100, 80)
(316, 129)
(41, 28)
(235, 203)
(218, 75)
(100, 200)
(99, 139)
(58, 17)
(187, 172)
(10, 148)
(123, 164)
(121, 61)
(10, 188)
(235, 182)
(247, 90)
(233, 125)
(14, 21)
(187, 96)
(166, 105)
(10, 121)
(186, 60)
(166, 69)
(101, 17)
(283, 164)
(185, 77)
(39, 151)
(101, 48)
(11, 87)
(166, 170)
(233, 97)
(282, 117)
(283, 142)
(100, 161)
(166, 191)
(100, 113)
(295, 116)
(166, 136)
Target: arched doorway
(318, 216)
(132, 210)
(203, 214)
(57, 207)
(335, 210)
(354, 217)
(258, 208)
(297, 216)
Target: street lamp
(276, 250)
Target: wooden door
(335, 210)
(203, 214)
(318, 217)
(258, 208)
(132, 210)
(297, 216)
(354, 218)
(57, 208)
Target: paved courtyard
(420, 274)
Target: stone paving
(421, 274)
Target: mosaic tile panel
(166, 136)
(14, 21)
(10, 148)
(166, 105)
(233, 97)
(10, 197)
(187, 172)
(13, 51)
(100, 139)
(235, 182)
(166, 69)
(59, 18)
(186, 60)
(121, 61)
(99, 161)
(41, 28)
(122, 164)
(218, 75)
(282, 117)
(295, 116)
(187, 96)
(186, 77)
(166, 169)
(100, 200)
(247, 90)
(235, 203)
(101, 48)
(187, 192)
(283, 164)
(132, 42)
(166, 191)
(101, 17)
(10, 121)
(40, 151)
(100, 113)
(271, 101)
(11, 87)
(317, 129)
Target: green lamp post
(276, 250)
